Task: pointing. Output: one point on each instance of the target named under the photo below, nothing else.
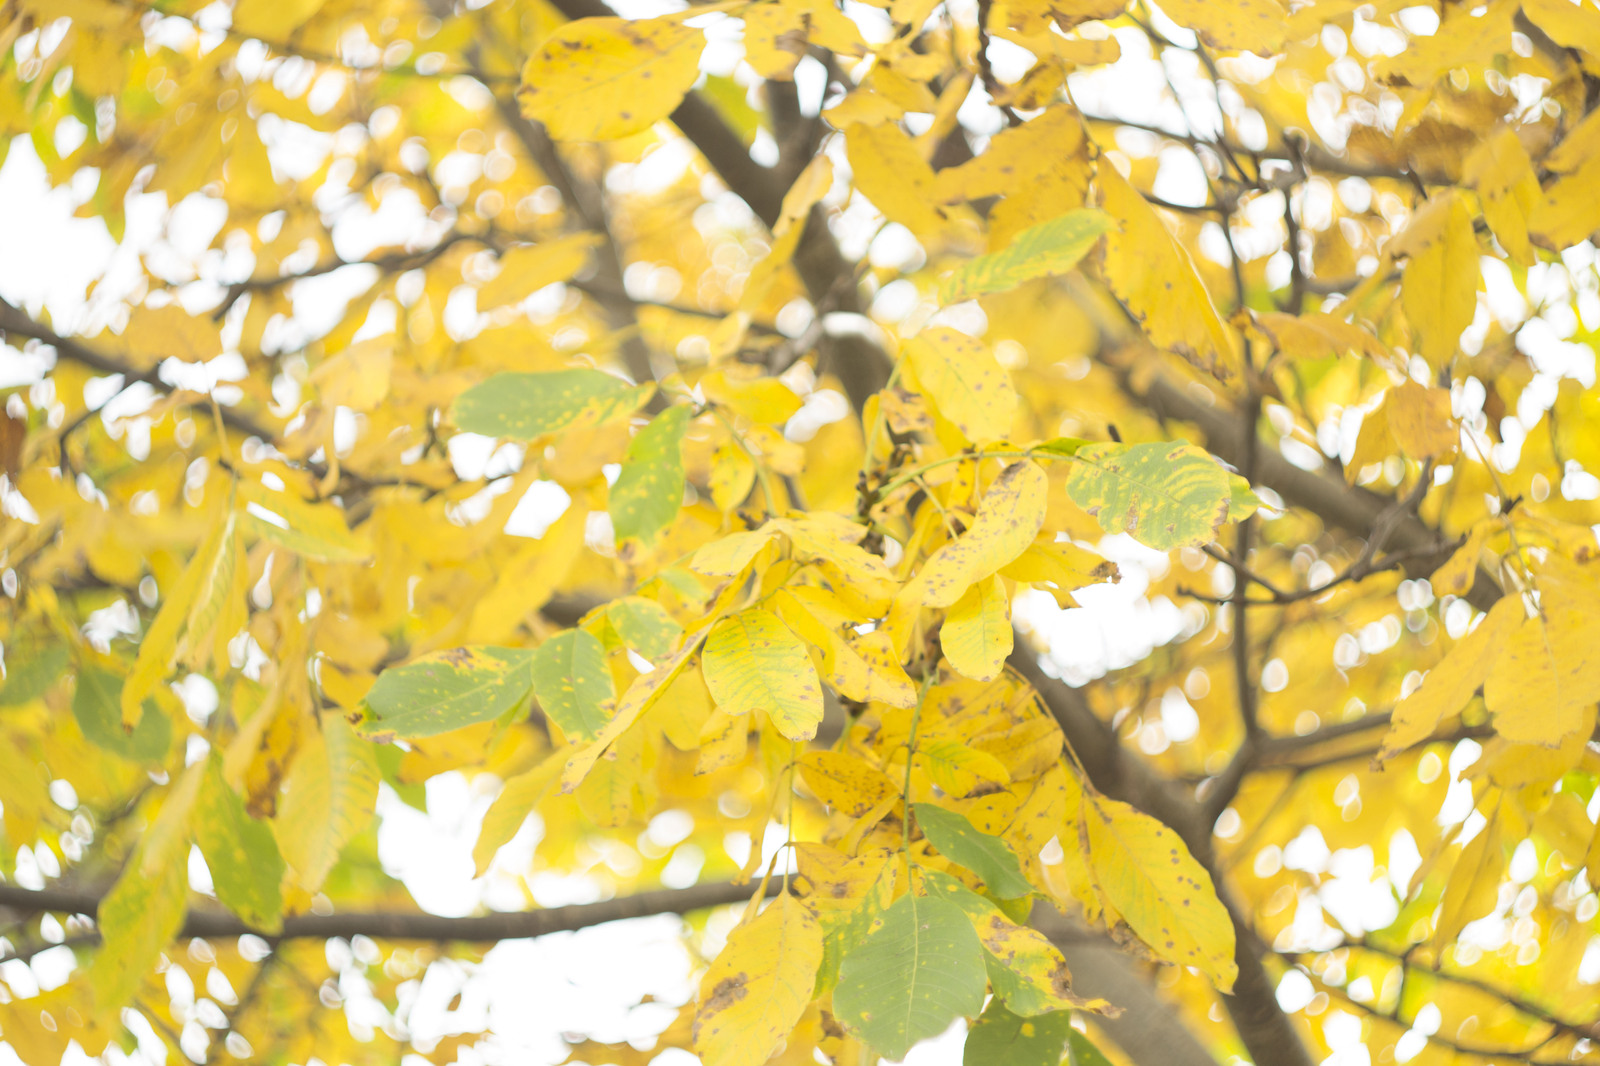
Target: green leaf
(30, 674)
(97, 705)
(573, 683)
(1080, 1052)
(988, 856)
(649, 491)
(1062, 445)
(525, 406)
(246, 869)
(1167, 494)
(1053, 247)
(912, 976)
(447, 690)
(644, 626)
(1000, 1038)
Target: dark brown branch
(414, 925)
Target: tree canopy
(1074, 516)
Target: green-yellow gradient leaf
(97, 705)
(1164, 895)
(329, 797)
(573, 683)
(649, 490)
(241, 853)
(447, 690)
(144, 909)
(976, 634)
(311, 530)
(1001, 1038)
(525, 406)
(988, 856)
(644, 626)
(1053, 247)
(1165, 494)
(912, 976)
(757, 987)
(32, 672)
(753, 662)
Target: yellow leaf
(733, 475)
(760, 399)
(774, 39)
(1568, 212)
(729, 555)
(273, 20)
(646, 689)
(1061, 566)
(864, 668)
(358, 377)
(1451, 683)
(758, 985)
(1439, 288)
(846, 782)
(1508, 189)
(755, 662)
(1419, 419)
(1316, 335)
(1163, 894)
(169, 332)
(1152, 273)
(1455, 577)
(1054, 140)
(1010, 516)
(1571, 25)
(890, 171)
(195, 597)
(598, 79)
(525, 582)
(1462, 39)
(1546, 673)
(964, 381)
(527, 268)
(1474, 885)
(1257, 26)
(976, 635)
(329, 797)
(517, 799)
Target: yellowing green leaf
(912, 976)
(1001, 1038)
(958, 769)
(312, 530)
(976, 635)
(1167, 897)
(646, 689)
(1154, 276)
(527, 268)
(1053, 247)
(598, 79)
(527, 406)
(1439, 288)
(647, 494)
(240, 852)
(1167, 495)
(329, 796)
(758, 985)
(964, 381)
(447, 690)
(145, 908)
(573, 683)
(755, 662)
(644, 626)
(1009, 517)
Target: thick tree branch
(414, 925)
